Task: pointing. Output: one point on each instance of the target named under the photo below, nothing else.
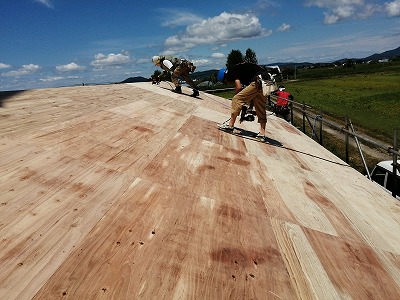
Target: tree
(250, 56)
(156, 74)
(349, 64)
(234, 57)
(288, 71)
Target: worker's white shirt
(168, 64)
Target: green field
(371, 101)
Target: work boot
(178, 90)
(225, 127)
(261, 138)
(195, 93)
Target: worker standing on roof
(178, 67)
(250, 85)
(282, 102)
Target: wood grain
(131, 192)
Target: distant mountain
(203, 74)
(135, 79)
(290, 64)
(384, 55)
(195, 76)
(390, 54)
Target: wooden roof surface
(131, 192)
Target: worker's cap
(221, 74)
(156, 59)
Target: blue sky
(53, 43)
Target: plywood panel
(354, 268)
(172, 248)
(46, 216)
(131, 192)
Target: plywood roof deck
(130, 192)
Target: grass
(376, 68)
(372, 101)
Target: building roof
(130, 191)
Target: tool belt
(266, 85)
(189, 65)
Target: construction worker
(178, 67)
(248, 87)
(282, 102)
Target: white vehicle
(383, 175)
(274, 70)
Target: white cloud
(337, 10)
(221, 29)
(47, 3)
(284, 27)
(143, 60)
(180, 18)
(218, 55)
(329, 49)
(393, 8)
(330, 19)
(265, 5)
(25, 70)
(345, 11)
(31, 67)
(69, 67)
(201, 62)
(333, 3)
(111, 59)
(52, 78)
(4, 66)
(369, 10)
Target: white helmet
(155, 59)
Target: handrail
(388, 148)
(302, 106)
